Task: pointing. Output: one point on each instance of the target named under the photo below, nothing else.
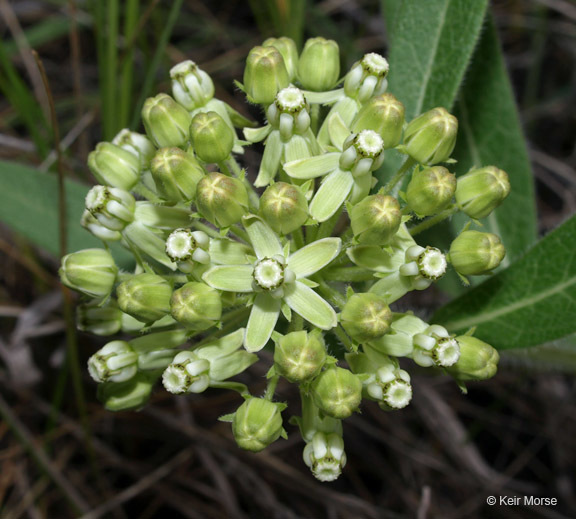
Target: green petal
(230, 278)
(264, 240)
(257, 134)
(323, 97)
(222, 346)
(313, 167)
(338, 131)
(314, 257)
(270, 160)
(331, 195)
(262, 321)
(307, 303)
(361, 188)
(229, 252)
(144, 239)
(296, 148)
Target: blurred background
(62, 455)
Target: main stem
(426, 224)
(399, 175)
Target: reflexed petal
(270, 160)
(230, 278)
(229, 252)
(361, 188)
(144, 239)
(323, 97)
(262, 321)
(313, 257)
(314, 166)
(331, 195)
(222, 346)
(307, 303)
(338, 131)
(257, 134)
(264, 240)
(296, 148)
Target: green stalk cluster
(311, 248)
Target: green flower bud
(430, 190)
(89, 271)
(257, 423)
(265, 75)
(325, 456)
(91, 224)
(363, 153)
(478, 360)
(383, 114)
(473, 253)
(337, 392)
(319, 65)
(196, 305)
(186, 248)
(137, 144)
(114, 166)
(221, 200)
(366, 317)
(167, 123)
(287, 48)
(376, 219)
(367, 77)
(145, 297)
(481, 191)
(116, 362)
(431, 137)
(300, 356)
(128, 395)
(191, 86)
(176, 174)
(187, 374)
(112, 207)
(98, 319)
(211, 137)
(284, 207)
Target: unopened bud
(196, 305)
(367, 77)
(112, 207)
(284, 207)
(366, 317)
(257, 423)
(478, 360)
(319, 65)
(287, 48)
(265, 75)
(383, 114)
(376, 219)
(211, 137)
(191, 86)
(430, 190)
(145, 297)
(116, 362)
(481, 191)
(137, 144)
(176, 174)
(114, 166)
(325, 456)
(299, 356)
(167, 123)
(99, 320)
(221, 200)
(431, 137)
(337, 392)
(90, 271)
(473, 253)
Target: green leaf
(531, 302)
(490, 134)
(29, 206)
(431, 44)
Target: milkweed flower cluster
(313, 251)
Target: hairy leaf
(531, 302)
